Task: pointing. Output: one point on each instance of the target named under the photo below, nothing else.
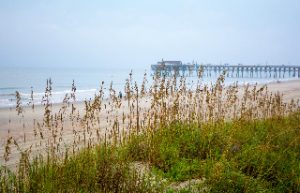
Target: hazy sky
(136, 33)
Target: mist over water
(88, 81)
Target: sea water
(87, 81)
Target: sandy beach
(289, 89)
(24, 128)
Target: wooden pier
(171, 68)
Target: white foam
(8, 100)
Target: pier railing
(235, 71)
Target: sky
(137, 33)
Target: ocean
(87, 81)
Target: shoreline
(22, 128)
(9, 117)
(271, 83)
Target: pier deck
(170, 68)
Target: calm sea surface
(87, 81)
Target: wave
(11, 88)
(8, 95)
(58, 92)
(9, 99)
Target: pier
(171, 68)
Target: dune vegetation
(164, 137)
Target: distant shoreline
(271, 84)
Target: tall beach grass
(167, 137)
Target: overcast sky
(136, 33)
